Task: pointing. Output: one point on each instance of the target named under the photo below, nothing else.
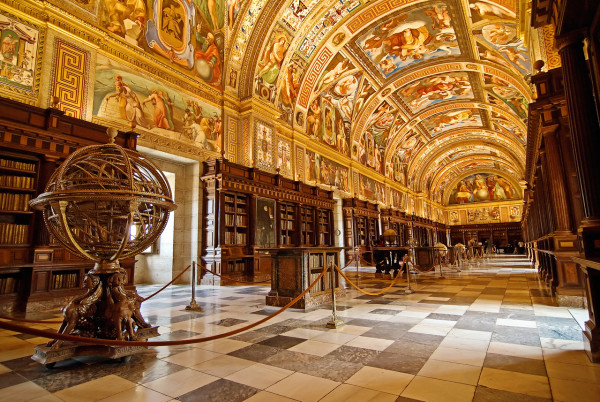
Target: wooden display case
(294, 269)
(396, 220)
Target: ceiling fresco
(422, 92)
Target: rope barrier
(110, 342)
(168, 284)
(4, 317)
(230, 278)
(364, 291)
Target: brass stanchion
(193, 306)
(335, 322)
(405, 262)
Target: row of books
(11, 233)
(239, 220)
(24, 182)
(64, 280)
(14, 202)
(235, 238)
(9, 163)
(8, 284)
(236, 266)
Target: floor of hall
(491, 332)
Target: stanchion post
(193, 306)
(335, 322)
(405, 262)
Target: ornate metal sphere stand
(103, 203)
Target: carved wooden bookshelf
(35, 272)
(247, 210)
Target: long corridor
(491, 332)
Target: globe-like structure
(106, 202)
(389, 236)
(103, 203)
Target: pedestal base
(49, 356)
(335, 323)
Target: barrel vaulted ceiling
(425, 93)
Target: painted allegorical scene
(430, 90)
(270, 64)
(457, 118)
(505, 95)
(18, 53)
(369, 147)
(264, 146)
(187, 33)
(121, 94)
(325, 171)
(483, 187)
(371, 189)
(411, 37)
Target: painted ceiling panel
(419, 91)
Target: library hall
(300, 200)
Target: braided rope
(230, 278)
(364, 291)
(111, 342)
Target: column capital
(573, 38)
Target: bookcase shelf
(35, 272)
(247, 210)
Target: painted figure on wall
(18, 53)
(208, 58)
(270, 64)
(404, 39)
(428, 91)
(122, 95)
(482, 187)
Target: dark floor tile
(293, 361)
(484, 394)
(540, 292)
(520, 336)
(70, 377)
(142, 368)
(255, 352)
(25, 336)
(275, 329)
(11, 378)
(405, 399)
(409, 364)
(410, 348)
(31, 369)
(331, 369)
(282, 342)
(177, 335)
(559, 328)
(386, 333)
(353, 355)
(493, 291)
(361, 322)
(515, 314)
(513, 363)
(220, 390)
(380, 301)
(229, 322)
(476, 323)
(422, 338)
(384, 311)
(252, 336)
(447, 317)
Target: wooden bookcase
(287, 224)
(35, 272)
(396, 220)
(361, 227)
(247, 210)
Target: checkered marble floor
(491, 332)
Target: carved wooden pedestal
(50, 356)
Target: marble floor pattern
(492, 332)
